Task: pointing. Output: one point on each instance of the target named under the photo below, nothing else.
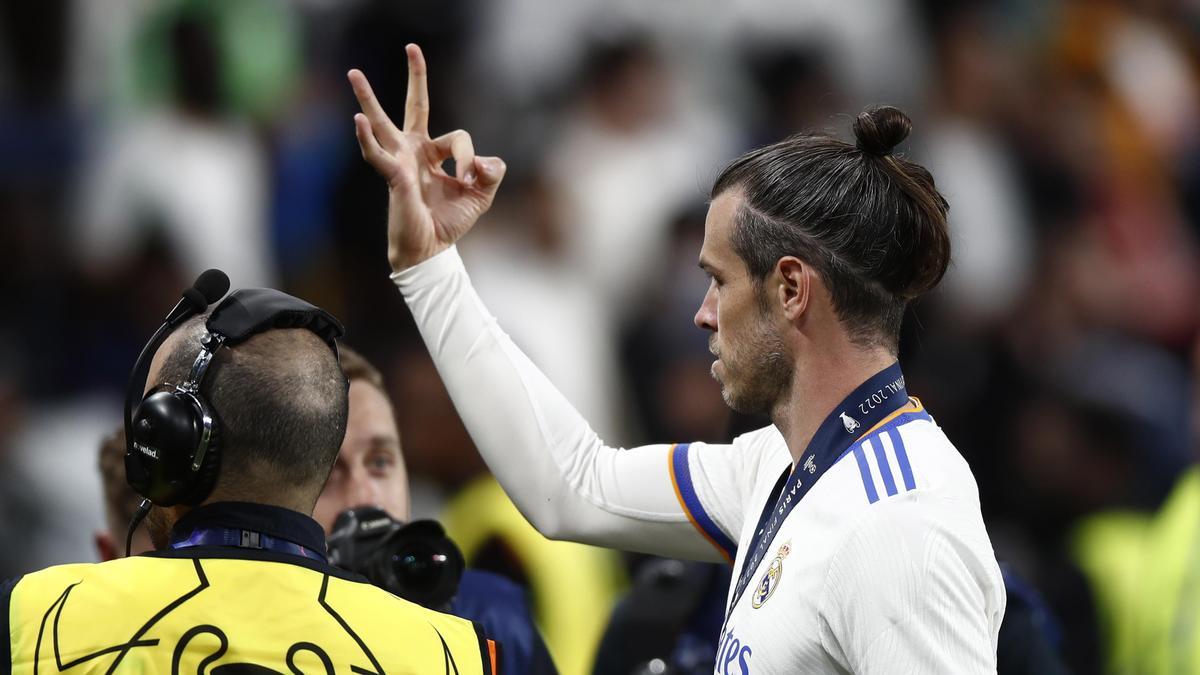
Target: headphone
(172, 434)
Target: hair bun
(880, 129)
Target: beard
(758, 373)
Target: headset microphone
(210, 286)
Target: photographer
(370, 472)
(239, 581)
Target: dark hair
(355, 366)
(281, 401)
(872, 224)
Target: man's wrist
(438, 266)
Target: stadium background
(142, 141)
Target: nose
(362, 491)
(706, 316)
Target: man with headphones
(369, 472)
(233, 420)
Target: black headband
(249, 311)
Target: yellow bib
(259, 613)
(573, 586)
(1145, 573)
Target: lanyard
(867, 406)
(226, 536)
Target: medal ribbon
(860, 412)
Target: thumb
(490, 171)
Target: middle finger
(416, 108)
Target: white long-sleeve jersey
(884, 566)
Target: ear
(106, 548)
(795, 285)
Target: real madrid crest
(770, 580)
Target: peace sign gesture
(428, 209)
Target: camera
(414, 560)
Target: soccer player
(852, 523)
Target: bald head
(280, 401)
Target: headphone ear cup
(166, 431)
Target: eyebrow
(380, 441)
(706, 266)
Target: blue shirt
(501, 607)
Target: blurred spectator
(991, 234)
(797, 87)
(191, 168)
(667, 358)
(1143, 569)
(877, 51)
(1131, 225)
(625, 134)
(51, 450)
(20, 516)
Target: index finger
(416, 108)
(367, 101)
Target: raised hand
(428, 209)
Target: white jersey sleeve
(901, 597)
(680, 501)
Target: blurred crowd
(142, 141)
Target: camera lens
(415, 561)
(419, 566)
